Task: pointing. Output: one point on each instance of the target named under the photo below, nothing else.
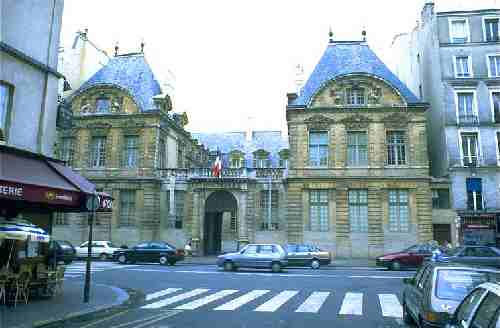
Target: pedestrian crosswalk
(77, 269)
(263, 300)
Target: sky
(235, 60)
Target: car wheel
(163, 260)
(315, 264)
(395, 266)
(276, 267)
(406, 315)
(228, 266)
(122, 259)
(103, 257)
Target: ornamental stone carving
(318, 122)
(356, 121)
(98, 129)
(397, 120)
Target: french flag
(217, 168)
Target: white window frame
(484, 25)
(236, 159)
(450, 29)
(474, 102)
(406, 147)
(479, 145)
(309, 165)
(497, 54)
(492, 91)
(497, 139)
(469, 66)
(357, 164)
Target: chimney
(427, 12)
(248, 133)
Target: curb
(122, 298)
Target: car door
(248, 257)
(486, 311)
(418, 292)
(97, 249)
(470, 256)
(265, 256)
(154, 250)
(464, 312)
(304, 255)
(82, 250)
(486, 256)
(411, 259)
(140, 252)
(292, 255)
(409, 293)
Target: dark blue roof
(129, 72)
(270, 141)
(342, 58)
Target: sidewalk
(337, 262)
(67, 304)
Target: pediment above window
(396, 120)
(99, 129)
(356, 121)
(318, 122)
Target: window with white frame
(5, 96)
(396, 147)
(236, 162)
(130, 151)
(465, 107)
(162, 154)
(356, 96)
(494, 65)
(357, 148)
(318, 148)
(67, 152)
(459, 31)
(398, 211)
(474, 187)
(269, 211)
(470, 148)
(103, 105)
(318, 210)
(358, 210)
(284, 163)
(463, 66)
(495, 105)
(491, 29)
(127, 207)
(261, 163)
(98, 152)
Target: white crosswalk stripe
(175, 299)
(242, 300)
(390, 306)
(78, 269)
(352, 304)
(207, 299)
(277, 301)
(313, 303)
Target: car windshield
(413, 248)
(111, 245)
(456, 284)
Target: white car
(101, 249)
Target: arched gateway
(220, 223)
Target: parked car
(433, 294)
(61, 250)
(479, 309)
(101, 249)
(412, 257)
(258, 256)
(307, 255)
(476, 255)
(150, 251)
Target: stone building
(122, 136)
(454, 63)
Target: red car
(411, 257)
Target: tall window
(103, 105)
(318, 210)
(463, 66)
(236, 162)
(98, 152)
(398, 211)
(5, 94)
(465, 108)
(261, 162)
(284, 163)
(356, 96)
(60, 218)
(396, 147)
(67, 152)
(127, 207)
(491, 29)
(498, 147)
(459, 31)
(440, 198)
(495, 102)
(269, 223)
(470, 148)
(474, 189)
(494, 65)
(176, 221)
(357, 149)
(358, 210)
(130, 151)
(162, 154)
(318, 148)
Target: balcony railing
(467, 161)
(469, 119)
(206, 172)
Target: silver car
(258, 256)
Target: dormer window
(236, 163)
(356, 96)
(103, 105)
(261, 159)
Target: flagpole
(269, 199)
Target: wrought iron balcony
(467, 161)
(469, 119)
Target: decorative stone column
(242, 220)
(195, 226)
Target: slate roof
(349, 57)
(270, 141)
(130, 72)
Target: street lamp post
(92, 204)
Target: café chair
(22, 284)
(3, 287)
(59, 279)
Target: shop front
(478, 229)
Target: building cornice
(469, 44)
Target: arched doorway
(221, 208)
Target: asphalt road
(192, 296)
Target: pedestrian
(447, 245)
(187, 248)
